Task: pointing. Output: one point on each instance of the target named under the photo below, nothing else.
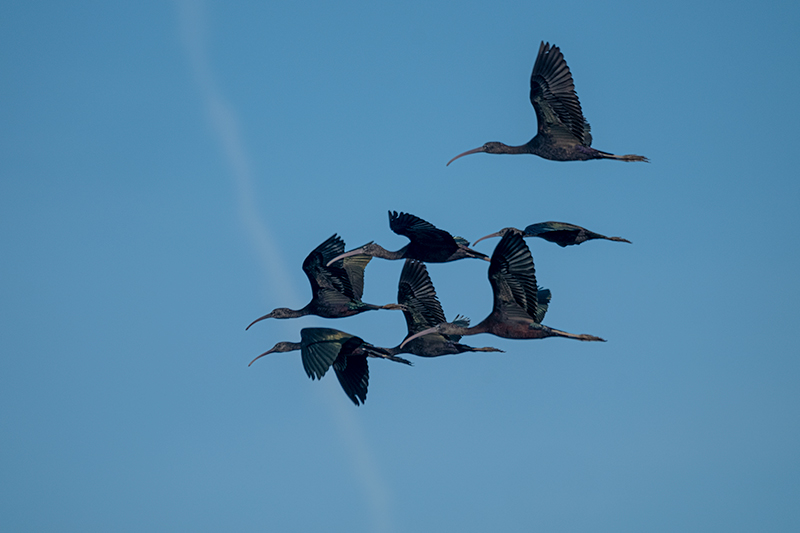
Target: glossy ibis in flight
(563, 133)
(561, 233)
(422, 311)
(336, 285)
(321, 348)
(428, 243)
(517, 312)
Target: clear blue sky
(165, 168)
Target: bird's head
(282, 346)
(500, 233)
(493, 147)
(281, 312)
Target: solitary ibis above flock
(563, 133)
(519, 304)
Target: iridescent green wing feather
(354, 267)
(321, 347)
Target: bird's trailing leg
(628, 158)
(393, 358)
(484, 349)
(552, 332)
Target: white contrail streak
(223, 120)
(225, 125)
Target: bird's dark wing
(333, 278)
(320, 348)
(416, 292)
(421, 233)
(458, 321)
(352, 370)
(553, 94)
(543, 301)
(513, 278)
(354, 267)
(561, 233)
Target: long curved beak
(468, 152)
(262, 355)
(420, 334)
(357, 251)
(269, 315)
(497, 234)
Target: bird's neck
(396, 350)
(383, 253)
(454, 329)
(483, 326)
(296, 313)
(527, 148)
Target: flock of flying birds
(519, 305)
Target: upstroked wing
(415, 291)
(513, 278)
(553, 95)
(421, 232)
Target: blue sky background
(165, 168)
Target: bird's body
(561, 233)
(519, 305)
(563, 133)
(336, 285)
(428, 243)
(322, 348)
(422, 310)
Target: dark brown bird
(563, 133)
(561, 233)
(422, 310)
(428, 243)
(321, 348)
(517, 312)
(336, 288)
